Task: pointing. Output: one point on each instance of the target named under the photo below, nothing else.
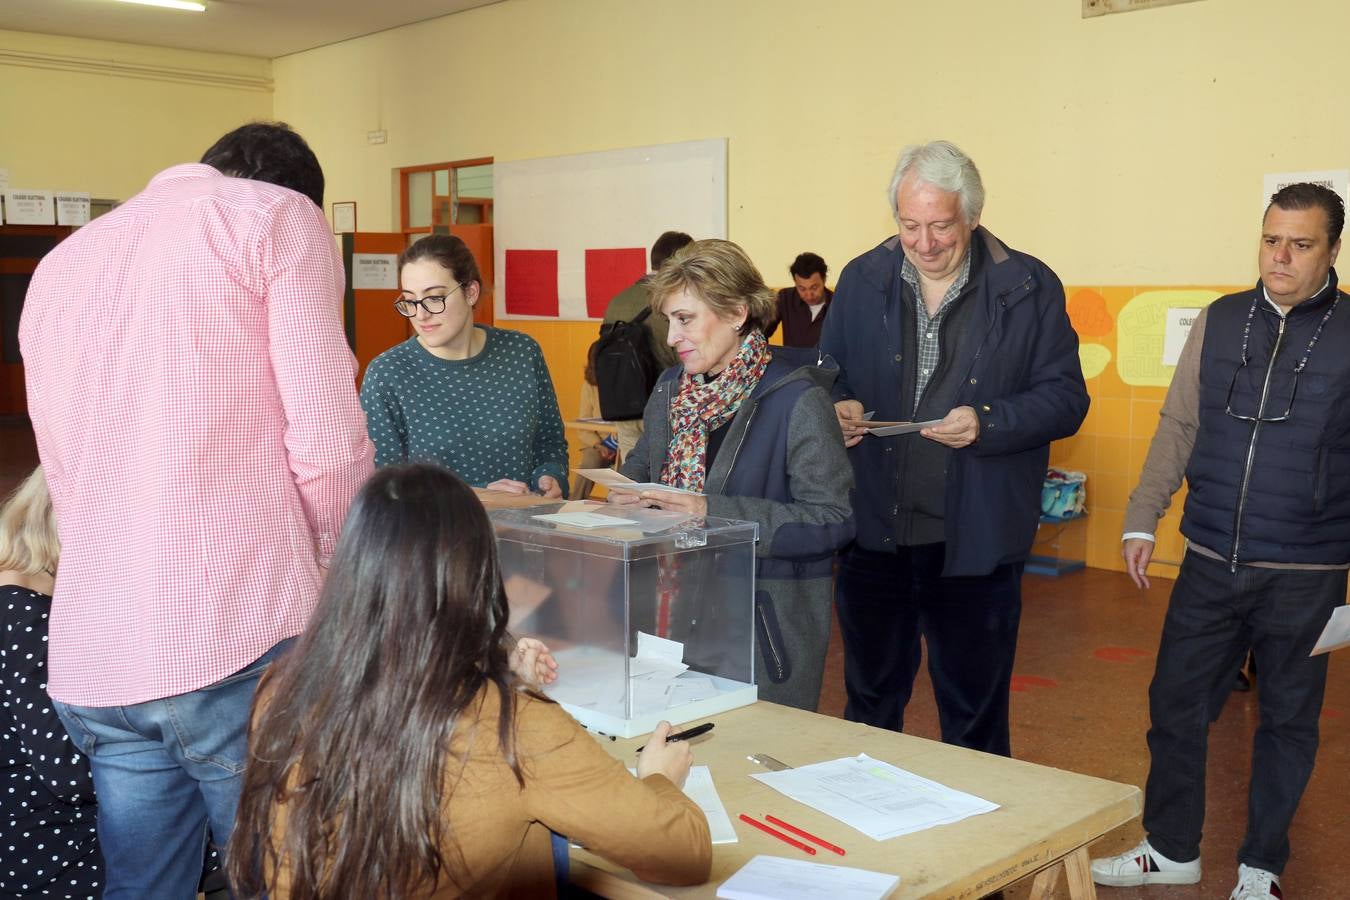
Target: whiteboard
(609, 199)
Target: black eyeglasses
(407, 306)
(1298, 369)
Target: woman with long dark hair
(401, 749)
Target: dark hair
(808, 264)
(271, 152)
(666, 245)
(591, 354)
(351, 729)
(449, 251)
(1306, 195)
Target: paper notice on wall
(25, 207)
(72, 208)
(4, 180)
(1177, 329)
(374, 271)
(1336, 179)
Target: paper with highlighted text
(875, 797)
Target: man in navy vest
(1256, 420)
(943, 321)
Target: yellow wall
(103, 117)
(1124, 150)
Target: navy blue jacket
(1019, 370)
(1273, 491)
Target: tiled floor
(1084, 660)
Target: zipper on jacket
(736, 454)
(1251, 447)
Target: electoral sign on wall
(573, 231)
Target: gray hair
(943, 165)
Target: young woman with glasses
(402, 749)
(476, 399)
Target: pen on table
(686, 734)
(810, 837)
(778, 834)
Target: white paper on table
(700, 788)
(1337, 633)
(775, 878)
(585, 519)
(874, 797)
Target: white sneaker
(1144, 865)
(1256, 884)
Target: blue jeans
(164, 771)
(1213, 617)
(886, 601)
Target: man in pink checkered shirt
(194, 402)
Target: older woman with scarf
(750, 430)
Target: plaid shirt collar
(910, 273)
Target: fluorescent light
(190, 5)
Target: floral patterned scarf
(701, 406)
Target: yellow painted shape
(1140, 329)
(1093, 358)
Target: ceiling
(268, 28)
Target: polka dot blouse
(494, 415)
(48, 842)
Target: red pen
(778, 834)
(810, 837)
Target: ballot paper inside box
(651, 618)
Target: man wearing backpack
(625, 307)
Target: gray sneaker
(1256, 884)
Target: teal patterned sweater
(494, 415)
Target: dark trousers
(887, 601)
(1213, 617)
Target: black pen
(686, 734)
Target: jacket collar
(1003, 270)
(1316, 303)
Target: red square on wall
(532, 283)
(610, 271)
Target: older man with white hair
(944, 321)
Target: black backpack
(625, 368)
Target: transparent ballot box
(650, 614)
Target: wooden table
(1045, 821)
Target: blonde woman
(47, 811)
(749, 429)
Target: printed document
(699, 787)
(874, 797)
(775, 878)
